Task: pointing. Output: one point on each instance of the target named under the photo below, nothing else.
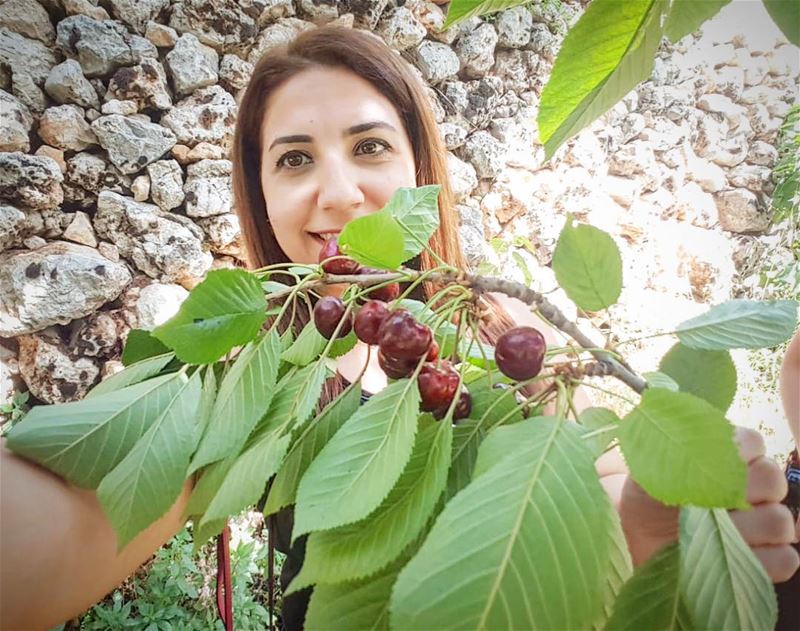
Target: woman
(327, 131)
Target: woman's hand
(768, 527)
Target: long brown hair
(367, 56)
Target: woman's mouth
(322, 237)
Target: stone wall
(117, 116)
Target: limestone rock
(50, 372)
(25, 57)
(463, 178)
(275, 35)
(98, 335)
(221, 24)
(30, 181)
(156, 303)
(123, 108)
(87, 175)
(208, 115)
(54, 285)
(516, 68)
(15, 124)
(65, 127)
(739, 211)
(514, 27)
(452, 134)
(140, 189)
(265, 12)
(762, 154)
(132, 144)
(223, 234)
(137, 13)
(160, 35)
(166, 184)
(81, 231)
(192, 65)
(27, 18)
(108, 250)
(400, 29)
(318, 11)
(485, 153)
(436, 61)
(67, 84)
(85, 7)
(144, 84)
(696, 206)
(366, 13)
(708, 175)
(543, 42)
(749, 176)
(234, 73)
(165, 246)
(57, 155)
(475, 51)
(208, 188)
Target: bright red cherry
(519, 353)
(437, 386)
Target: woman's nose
(339, 187)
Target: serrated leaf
(724, 584)
(619, 570)
(206, 406)
(740, 324)
(134, 373)
(417, 212)
(677, 431)
(59, 437)
(308, 444)
(460, 10)
(588, 266)
(148, 480)
(310, 344)
(297, 394)
(656, 379)
(244, 396)
(225, 310)
(786, 15)
(467, 437)
(358, 550)
(361, 463)
(595, 422)
(509, 551)
(206, 487)
(652, 598)
(686, 16)
(710, 375)
(376, 240)
(139, 345)
(607, 53)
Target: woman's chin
(333, 290)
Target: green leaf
(140, 345)
(245, 481)
(358, 550)
(677, 431)
(619, 569)
(134, 373)
(657, 379)
(652, 599)
(523, 267)
(244, 396)
(417, 212)
(740, 324)
(686, 16)
(361, 463)
(710, 375)
(724, 584)
(460, 10)
(467, 437)
(59, 437)
(143, 486)
(296, 397)
(588, 265)
(310, 344)
(206, 407)
(786, 14)
(510, 549)
(224, 311)
(308, 444)
(206, 488)
(607, 53)
(598, 420)
(376, 240)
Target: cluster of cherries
(403, 342)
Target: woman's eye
(371, 147)
(374, 143)
(290, 159)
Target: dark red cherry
(433, 352)
(519, 353)
(464, 405)
(336, 266)
(396, 368)
(387, 293)
(437, 386)
(327, 314)
(403, 337)
(369, 319)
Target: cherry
(403, 337)
(327, 314)
(396, 368)
(437, 386)
(369, 319)
(519, 353)
(336, 266)
(462, 409)
(387, 293)
(433, 352)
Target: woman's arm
(58, 549)
(790, 386)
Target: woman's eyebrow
(350, 131)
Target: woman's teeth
(326, 235)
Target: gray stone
(366, 13)
(516, 68)
(51, 373)
(30, 181)
(18, 226)
(137, 13)
(15, 124)
(25, 57)
(81, 231)
(88, 8)
(463, 178)
(27, 18)
(123, 108)
(454, 98)
(65, 127)
(156, 303)
(192, 65)
(97, 335)
(132, 144)
(475, 51)
(55, 285)
(318, 11)
(223, 234)
(483, 101)
(144, 84)
(160, 35)
(34, 243)
(485, 153)
(710, 132)
(87, 175)
(265, 12)
(26, 90)
(101, 47)
(234, 73)
(208, 115)
(66, 84)
(755, 70)
(708, 175)
(514, 27)
(400, 29)
(729, 82)
(749, 176)
(221, 24)
(165, 246)
(740, 212)
(762, 154)
(635, 159)
(731, 151)
(543, 42)
(436, 61)
(208, 188)
(432, 17)
(276, 35)
(140, 188)
(453, 135)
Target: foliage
(14, 409)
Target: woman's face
(334, 148)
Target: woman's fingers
(765, 524)
(751, 443)
(766, 482)
(780, 562)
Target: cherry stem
(600, 430)
(612, 393)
